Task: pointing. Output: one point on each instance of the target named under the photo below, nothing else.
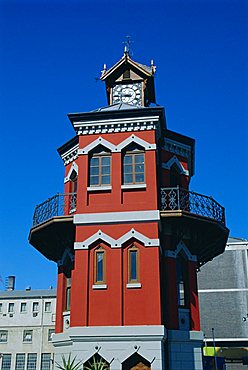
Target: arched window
(133, 265)
(100, 167)
(96, 362)
(181, 281)
(175, 176)
(68, 294)
(99, 266)
(134, 165)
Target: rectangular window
(35, 306)
(27, 336)
(48, 306)
(6, 361)
(100, 169)
(181, 282)
(3, 336)
(11, 308)
(99, 266)
(20, 361)
(45, 361)
(1, 307)
(32, 359)
(23, 307)
(68, 295)
(50, 333)
(134, 168)
(133, 276)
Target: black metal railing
(58, 205)
(180, 199)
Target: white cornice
(116, 125)
(175, 160)
(116, 243)
(70, 155)
(115, 217)
(116, 148)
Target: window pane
(139, 168)
(47, 306)
(133, 265)
(94, 180)
(1, 307)
(105, 161)
(3, 336)
(106, 180)
(139, 177)
(31, 364)
(23, 307)
(11, 307)
(27, 335)
(128, 169)
(128, 159)
(94, 171)
(45, 361)
(20, 361)
(50, 332)
(139, 158)
(99, 266)
(128, 179)
(94, 161)
(6, 361)
(35, 306)
(106, 170)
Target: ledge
(133, 285)
(99, 188)
(133, 186)
(99, 286)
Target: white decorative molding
(74, 167)
(116, 148)
(99, 188)
(175, 160)
(181, 247)
(70, 155)
(133, 285)
(176, 147)
(115, 217)
(116, 243)
(99, 286)
(116, 125)
(133, 186)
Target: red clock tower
(127, 234)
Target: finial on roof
(104, 70)
(153, 66)
(127, 46)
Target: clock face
(127, 93)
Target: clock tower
(127, 234)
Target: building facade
(127, 234)
(27, 321)
(223, 295)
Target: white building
(27, 320)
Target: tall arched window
(182, 298)
(134, 165)
(100, 167)
(133, 265)
(99, 266)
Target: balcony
(53, 229)
(196, 217)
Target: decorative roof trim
(116, 148)
(70, 155)
(74, 167)
(116, 243)
(175, 160)
(181, 247)
(115, 125)
(178, 148)
(67, 253)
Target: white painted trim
(114, 121)
(133, 285)
(133, 186)
(95, 143)
(117, 243)
(177, 144)
(116, 148)
(181, 247)
(135, 139)
(175, 160)
(99, 286)
(99, 188)
(223, 290)
(70, 155)
(226, 339)
(74, 167)
(115, 217)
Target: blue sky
(51, 52)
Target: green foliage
(68, 364)
(97, 365)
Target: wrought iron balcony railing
(180, 199)
(58, 205)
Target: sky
(51, 55)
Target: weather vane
(127, 45)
